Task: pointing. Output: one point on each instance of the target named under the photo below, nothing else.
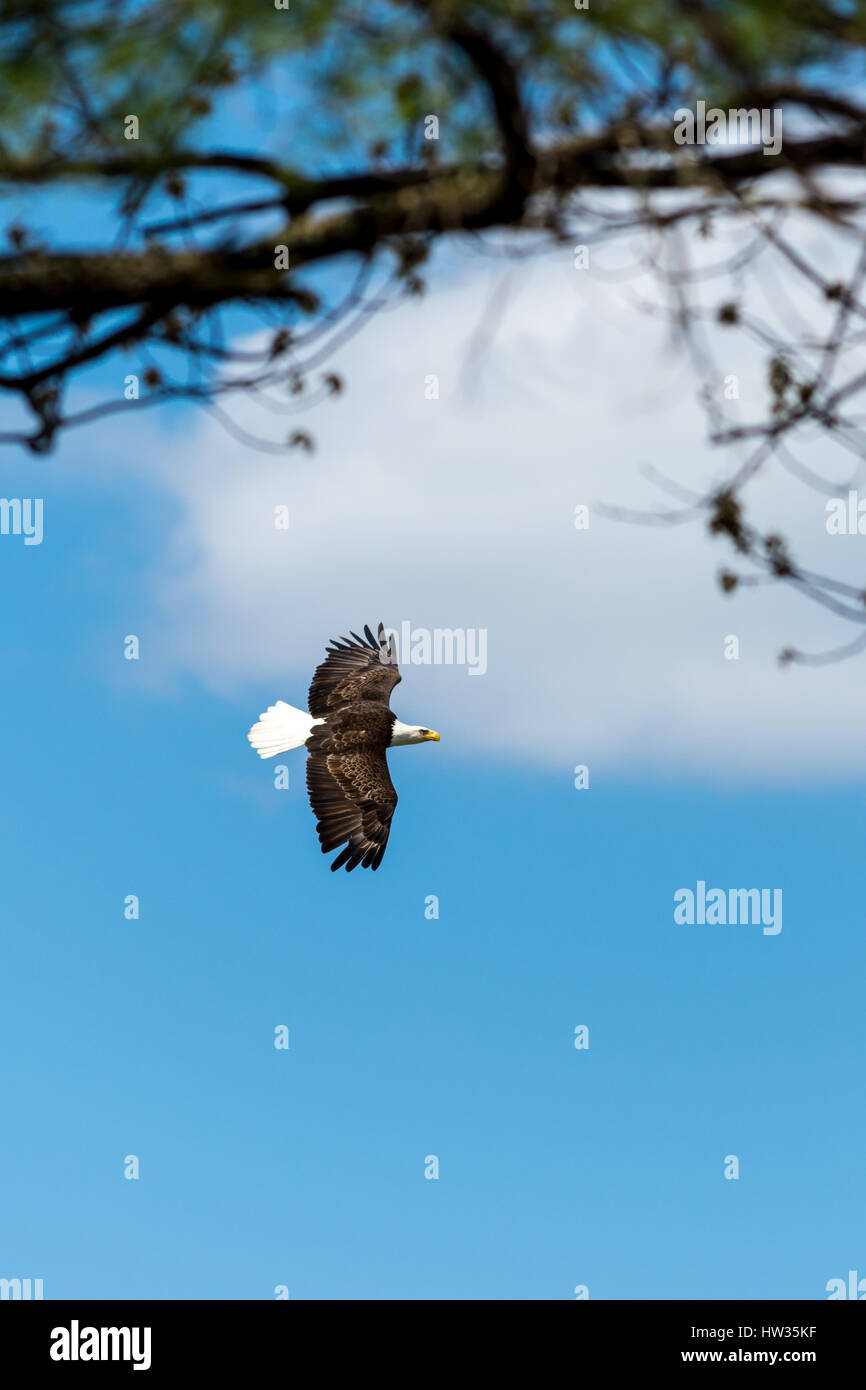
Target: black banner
(154, 1338)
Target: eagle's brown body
(350, 788)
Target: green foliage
(368, 71)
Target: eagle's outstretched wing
(353, 799)
(351, 791)
(363, 669)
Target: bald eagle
(346, 733)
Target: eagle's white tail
(280, 728)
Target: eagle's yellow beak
(431, 736)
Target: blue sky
(412, 1037)
(409, 1037)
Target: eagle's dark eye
(425, 731)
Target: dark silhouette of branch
(542, 128)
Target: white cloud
(605, 646)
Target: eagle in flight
(346, 733)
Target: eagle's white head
(402, 734)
